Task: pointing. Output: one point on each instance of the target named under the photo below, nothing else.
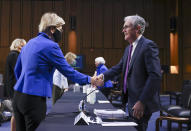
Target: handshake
(97, 80)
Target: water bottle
(85, 88)
(88, 90)
(76, 88)
(92, 96)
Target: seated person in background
(71, 58)
(101, 68)
(60, 82)
(10, 80)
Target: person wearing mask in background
(60, 82)
(101, 68)
(10, 80)
(34, 73)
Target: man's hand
(97, 80)
(138, 110)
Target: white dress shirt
(135, 45)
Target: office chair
(177, 113)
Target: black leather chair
(176, 95)
(177, 113)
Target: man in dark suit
(140, 67)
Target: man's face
(129, 31)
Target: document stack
(110, 113)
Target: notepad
(119, 124)
(110, 113)
(103, 101)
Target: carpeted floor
(151, 127)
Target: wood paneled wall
(20, 19)
(98, 29)
(185, 27)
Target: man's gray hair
(100, 60)
(16, 43)
(50, 19)
(136, 20)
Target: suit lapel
(137, 49)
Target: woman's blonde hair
(70, 57)
(17, 43)
(50, 19)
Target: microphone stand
(82, 119)
(83, 109)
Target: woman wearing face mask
(34, 73)
(60, 82)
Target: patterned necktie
(127, 68)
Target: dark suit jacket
(144, 76)
(9, 79)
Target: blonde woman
(34, 72)
(60, 82)
(70, 58)
(10, 80)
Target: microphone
(82, 106)
(82, 119)
(89, 93)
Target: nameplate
(81, 119)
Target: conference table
(63, 113)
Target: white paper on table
(103, 101)
(110, 113)
(119, 124)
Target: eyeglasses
(125, 27)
